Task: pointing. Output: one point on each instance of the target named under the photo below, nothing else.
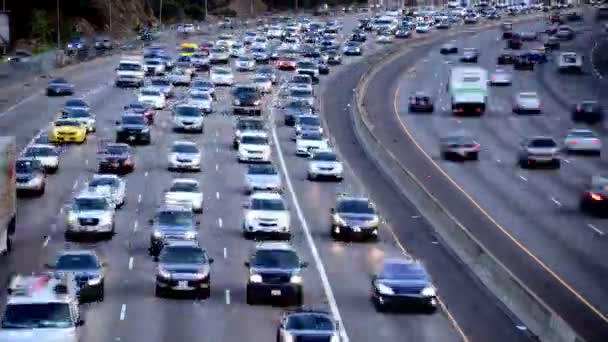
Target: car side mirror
(151, 221)
(117, 122)
(211, 260)
(332, 210)
(304, 264)
(155, 258)
(80, 322)
(247, 264)
(49, 266)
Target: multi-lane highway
(528, 218)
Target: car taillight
(595, 197)
(580, 110)
(478, 110)
(476, 147)
(493, 78)
(596, 141)
(574, 142)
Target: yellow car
(188, 49)
(66, 130)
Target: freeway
(528, 218)
(130, 311)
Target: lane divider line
(220, 223)
(130, 263)
(123, 312)
(596, 229)
(46, 241)
(227, 292)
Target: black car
(590, 112)
(183, 267)
(514, 43)
(594, 200)
(507, 35)
(447, 49)
(246, 100)
(88, 272)
(323, 68)
(403, 284)
(308, 326)
(334, 58)
(469, 55)
(443, 25)
(58, 87)
(133, 129)
(505, 58)
(552, 43)
(421, 103)
(353, 218)
(574, 16)
(142, 109)
(295, 109)
(523, 63)
(403, 33)
(116, 158)
(275, 274)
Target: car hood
(269, 214)
(412, 284)
(259, 148)
(90, 213)
(323, 164)
(134, 127)
(263, 179)
(188, 156)
(38, 335)
(302, 142)
(356, 217)
(184, 267)
(183, 195)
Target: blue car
(537, 56)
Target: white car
(154, 66)
(583, 140)
(46, 154)
(219, 55)
(226, 40)
(384, 39)
(309, 142)
(237, 50)
(201, 85)
(263, 83)
(201, 100)
(221, 76)
(116, 185)
(325, 164)
(254, 146)
(188, 118)
(250, 37)
(81, 115)
(266, 213)
(180, 77)
(153, 97)
(423, 28)
(245, 63)
(183, 156)
(185, 191)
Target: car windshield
(185, 148)
(589, 106)
(254, 125)
(104, 181)
(34, 315)
(301, 79)
(458, 140)
(395, 270)
(164, 83)
(301, 93)
(221, 71)
(187, 111)
(313, 136)
(75, 103)
(150, 92)
(306, 65)
(201, 96)
(184, 187)
(528, 97)
(261, 79)
(267, 204)
(254, 140)
(153, 62)
(569, 59)
(42, 151)
(135, 106)
(325, 156)
(245, 91)
(76, 114)
(188, 50)
(543, 143)
(310, 121)
(582, 134)
(133, 120)
(58, 81)
(202, 84)
(310, 322)
(129, 67)
(67, 123)
(175, 218)
(90, 203)
(276, 259)
(355, 207)
(27, 166)
(76, 262)
(183, 255)
(262, 170)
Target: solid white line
(135, 225)
(225, 253)
(46, 241)
(146, 174)
(558, 203)
(75, 185)
(220, 222)
(217, 195)
(130, 263)
(27, 99)
(523, 178)
(123, 312)
(331, 299)
(596, 229)
(86, 162)
(227, 297)
(217, 149)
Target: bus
(468, 89)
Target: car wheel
(41, 191)
(474, 156)
(299, 299)
(250, 299)
(159, 292)
(101, 295)
(556, 164)
(379, 307)
(523, 164)
(205, 293)
(310, 177)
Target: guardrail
(512, 292)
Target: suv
(247, 100)
(116, 158)
(188, 118)
(275, 274)
(570, 62)
(300, 324)
(266, 213)
(133, 128)
(183, 266)
(169, 224)
(354, 217)
(88, 272)
(539, 150)
(254, 146)
(91, 213)
(42, 307)
(244, 125)
(29, 177)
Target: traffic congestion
(196, 184)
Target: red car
(286, 63)
(139, 108)
(555, 18)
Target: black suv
(133, 129)
(275, 274)
(183, 266)
(115, 158)
(247, 100)
(308, 326)
(354, 217)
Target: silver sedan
(526, 102)
(459, 146)
(501, 77)
(583, 141)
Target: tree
(41, 27)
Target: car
(153, 97)
(91, 214)
(459, 146)
(219, 55)
(570, 62)
(308, 67)
(20, 56)
(358, 37)
(594, 199)
(171, 224)
(245, 125)
(116, 185)
(275, 275)
(352, 48)
(164, 85)
(582, 141)
(305, 325)
(501, 77)
(266, 215)
(384, 38)
(68, 131)
(537, 151)
(537, 56)
(263, 83)
(179, 77)
(448, 48)
(470, 19)
(185, 191)
(421, 103)
(133, 129)
(286, 63)
(115, 158)
(81, 115)
(58, 87)
(221, 76)
(200, 62)
(76, 103)
(403, 284)
(263, 177)
(324, 164)
(202, 101)
(45, 153)
(247, 99)
(505, 58)
(552, 43)
(87, 269)
(267, 71)
(302, 93)
(30, 178)
(254, 147)
(334, 58)
(526, 102)
(522, 62)
(245, 63)
(188, 118)
(423, 28)
(307, 123)
(564, 33)
(182, 267)
(184, 156)
(154, 66)
(527, 36)
(515, 43)
(139, 108)
(469, 55)
(443, 25)
(354, 218)
(590, 112)
(203, 86)
(507, 34)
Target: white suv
(254, 146)
(266, 213)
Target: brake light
(574, 142)
(476, 147)
(478, 110)
(580, 110)
(596, 141)
(595, 197)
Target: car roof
(266, 195)
(274, 245)
(77, 252)
(255, 133)
(185, 180)
(41, 146)
(580, 131)
(184, 142)
(345, 198)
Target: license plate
(131, 138)
(182, 284)
(356, 229)
(275, 292)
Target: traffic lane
(394, 138)
(351, 264)
(499, 136)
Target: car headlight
(339, 221)
(384, 290)
(145, 130)
(335, 338)
(164, 273)
(236, 102)
(72, 218)
(295, 279)
(94, 281)
(105, 220)
(428, 291)
(157, 234)
(373, 222)
(190, 235)
(255, 278)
